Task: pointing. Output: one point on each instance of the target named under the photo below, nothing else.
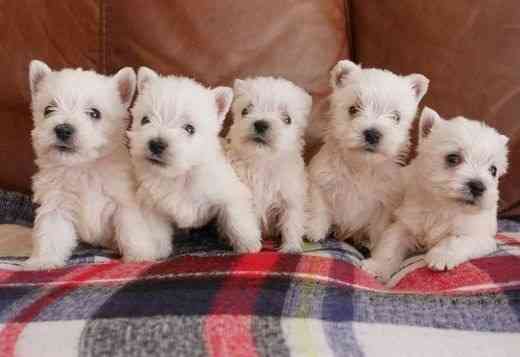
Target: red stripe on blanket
(12, 329)
(226, 333)
(10, 276)
(507, 239)
(253, 265)
(484, 274)
(63, 274)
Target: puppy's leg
(455, 250)
(239, 224)
(378, 226)
(54, 238)
(389, 252)
(319, 219)
(133, 235)
(292, 224)
(161, 231)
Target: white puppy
(84, 183)
(450, 204)
(182, 171)
(355, 177)
(265, 146)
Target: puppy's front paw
(141, 257)
(42, 264)
(248, 246)
(143, 253)
(164, 251)
(315, 233)
(443, 259)
(314, 237)
(381, 272)
(291, 248)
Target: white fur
(274, 169)
(439, 215)
(87, 193)
(191, 182)
(353, 189)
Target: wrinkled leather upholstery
(213, 41)
(469, 51)
(63, 33)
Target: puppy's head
(461, 159)
(269, 116)
(176, 122)
(79, 116)
(373, 109)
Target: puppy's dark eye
(493, 171)
(190, 129)
(94, 113)
(397, 116)
(287, 119)
(353, 110)
(49, 110)
(145, 120)
(247, 110)
(453, 160)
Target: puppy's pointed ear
(308, 102)
(239, 87)
(307, 107)
(125, 81)
(419, 85)
(429, 118)
(340, 73)
(145, 76)
(504, 139)
(37, 72)
(223, 99)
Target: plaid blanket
(205, 300)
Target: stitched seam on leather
(102, 65)
(349, 28)
(108, 47)
(507, 210)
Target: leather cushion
(469, 50)
(213, 41)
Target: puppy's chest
(83, 195)
(185, 204)
(428, 226)
(266, 186)
(355, 200)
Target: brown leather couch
(469, 50)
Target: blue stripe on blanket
(489, 312)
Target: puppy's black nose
(476, 187)
(372, 136)
(64, 131)
(261, 126)
(157, 146)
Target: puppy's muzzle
(157, 146)
(261, 127)
(476, 188)
(372, 136)
(64, 132)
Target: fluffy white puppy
(355, 177)
(182, 171)
(84, 183)
(265, 146)
(450, 204)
